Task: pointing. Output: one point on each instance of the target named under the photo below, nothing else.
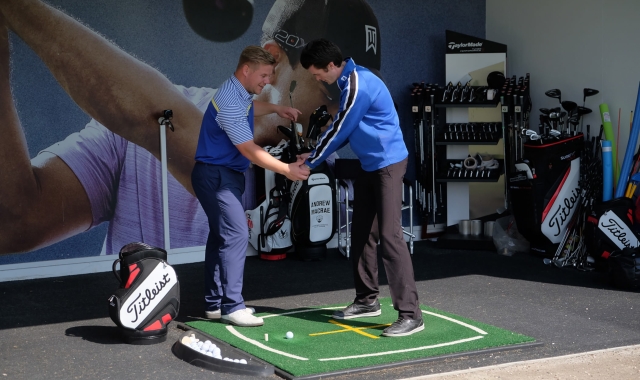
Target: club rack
(433, 134)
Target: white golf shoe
(216, 313)
(242, 318)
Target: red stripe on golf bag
(157, 325)
(166, 318)
(555, 195)
(134, 271)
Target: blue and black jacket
(366, 119)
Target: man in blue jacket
(367, 119)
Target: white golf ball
(289, 335)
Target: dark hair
(319, 53)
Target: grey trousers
(377, 217)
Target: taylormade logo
(453, 45)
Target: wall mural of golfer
(83, 88)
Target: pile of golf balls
(207, 348)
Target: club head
(574, 121)
(588, 92)
(555, 93)
(545, 111)
(569, 106)
(580, 111)
(556, 109)
(292, 86)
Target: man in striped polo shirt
(367, 119)
(225, 149)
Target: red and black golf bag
(546, 194)
(149, 294)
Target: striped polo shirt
(227, 122)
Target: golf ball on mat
(289, 335)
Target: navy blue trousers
(219, 191)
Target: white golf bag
(269, 223)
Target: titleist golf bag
(269, 223)
(545, 191)
(149, 294)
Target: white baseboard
(98, 264)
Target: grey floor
(59, 328)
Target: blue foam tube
(607, 170)
(628, 155)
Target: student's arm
(354, 103)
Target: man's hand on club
(288, 113)
(298, 171)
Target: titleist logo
(617, 231)
(140, 303)
(560, 217)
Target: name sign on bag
(148, 295)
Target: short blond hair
(255, 55)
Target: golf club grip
(607, 171)
(625, 170)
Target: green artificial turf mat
(322, 344)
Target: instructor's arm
(294, 171)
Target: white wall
(570, 45)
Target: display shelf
(486, 104)
(469, 134)
(465, 175)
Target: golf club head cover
(148, 297)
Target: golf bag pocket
(612, 228)
(148, 297)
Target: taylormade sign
(454, 45)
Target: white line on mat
(458, 322)
(256, 343)
(405, 350)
